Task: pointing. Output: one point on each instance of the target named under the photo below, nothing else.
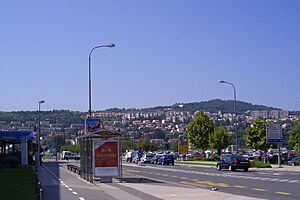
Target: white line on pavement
(81, 198)
(70, 189)
(75, 193)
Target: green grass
(17, 183)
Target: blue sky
(166, 52)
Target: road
(155, 182)
(255, 183)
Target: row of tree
(202, 133)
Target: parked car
(285, 161)
(233, 162)
(146, 158)
(155, 159)
(68, 155)
(292, 162)
(166, 159)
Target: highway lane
(255, 183)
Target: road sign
(273, 133)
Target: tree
(220, 139)
(255, 136)
(159, 134)
(294, 140)
(199, 129)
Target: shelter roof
(13, 135)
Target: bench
(74, 169)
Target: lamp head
(41, 102)
(221, 81)
(111, 45)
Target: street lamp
(39, 133)
(90, 79)
(234, 110)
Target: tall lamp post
(39, 133)
(234, 110)
(90, 79)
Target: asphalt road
(255, 183)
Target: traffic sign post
(274, 136)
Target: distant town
(158, 125)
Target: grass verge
(17, 183)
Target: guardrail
(74, 169)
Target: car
(155, 158)
(67, 155)
(146, 158)
(128, 156)
(285, 161)
(233, 162)
(166, 159)
(292, 162)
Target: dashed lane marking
(81, 198)
(239, 186)
(194, 184)
(74, 192)
(70, 189)
(259, 189)
(282, 193)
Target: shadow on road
(139, 180)
(48, 175)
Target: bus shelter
(100, 153)
(16, 143)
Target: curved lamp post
(234, 110)
(39, 133)
(90, 79)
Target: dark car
(233, 162)
(166, 160)
(285, 161)
(292, 162)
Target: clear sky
(166, 52)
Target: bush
(258, 164)
(12, 161)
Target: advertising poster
(92, 125)
(106, 158)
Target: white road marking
(75, 193)
(293, 181)
(284, 180)
(66, 186)
(70, 189)
(81, 198)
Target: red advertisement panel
(107, 155)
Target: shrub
(258, 164)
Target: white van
(66, 155)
